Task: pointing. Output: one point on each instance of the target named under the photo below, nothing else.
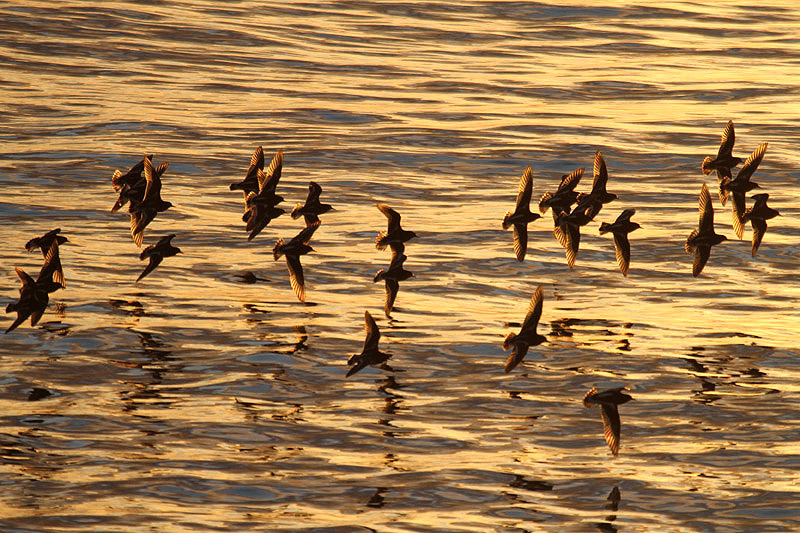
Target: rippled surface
(193, 401)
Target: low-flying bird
(370, 354)
(311, 210)
(598, 196)
(43, 243)
(392, 277)
(522, 215)
(34, 295)
(145, 210)
(156, 253)
(293, 250)
(250, 181)
(608, 400)
(394, 233)
(740, 185)
(620, 229)
(758, 216)
(703, 238)
(725, 160)
(565, 195)
(527, 336)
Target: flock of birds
(140, 187)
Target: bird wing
(51, 265)
(525, 188)
(296, 277)
(737, 210)
(600, 174)
(392, 215)
(569, 181)
(26, 280)
(518, 352)
(728, 138)
(573, 242)
(391, 294)
(625, 216)
(273, 172)
(520, 240)
(751, 164)
(257, 161)
(706, 210)
(701, 255)
(305, 234)
(373, 333)
(155, 260)
(314, 191)
(759, 229)
(611, 425)
(534, 312)
(623, 250)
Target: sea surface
(194, 401)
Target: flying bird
(567, 227)
(522, 215)
(620, 229)
(392, 277)
(260, 208)
(250, 181)
(145, 210)
(565, 195)
(394, 233)
(527, 337)
(598, 196)
(758, 216)
(131, 177)
(293, 250)
(43, 243)
(370, 354)
(156, 253)
(703, 238)
(608, 400)
(311, 210)
(725, 160)
(35, 295)
(740, 185)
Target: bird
(740, 185)
(564, 196)
(157, 252)
(620, 229)
(34, 295)
(143, 212)
(725, 160)
(311, 210)
(260, 208)
(250, 181)
(392, 277)
(43, 243)
(394, 233)
(609, 400)
(527, 337)
(598, 196)
(522, 215)
(131, 177)
(758, 216)
(370, 354)
(567, 227)
(132, 189)
(293, 250)
(703, 238)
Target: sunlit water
(192, 401)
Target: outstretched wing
(534, 311)
(726, 145)
(752, 162)
(373, 333)
(392, 215)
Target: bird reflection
(131, 308)
(521, 482)
(154, 350)
(391, 405)
(612, 504)
(377, 500)
(249, 277)
(302, 337)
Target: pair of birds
(395, 237)
(261, 199)
(568, 221)
(704, 237)
(34, 295)
(144, 195)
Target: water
(192, 401)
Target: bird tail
(296, 211)
(506, 223)
(723, 192)
(380, 241)
(508, 340)
(689, 248)
(543, 202)
(586, 399)
(605, 227)
(115, 180)
(707, 166)
(276, 251)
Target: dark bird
(620, 229)
(370, 354)
(394, 233)
(132, 190)
(599, 196)
(758, 216)
(740, 185)
(608, 400)
(43, 243)
(34, 295)
(724, 161)
(564, 196)
(250, 181)
(567, 227)
(157, 252)
(522, 214)
(131, 177)
(527, 337)
(392, 277)
(143, 212)
(260, 209)
(312, 208)
(703, 238)
(293, 250)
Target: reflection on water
(213, 399)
